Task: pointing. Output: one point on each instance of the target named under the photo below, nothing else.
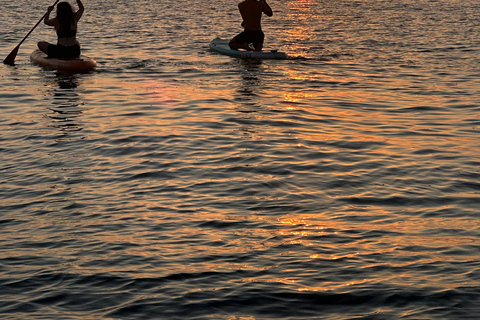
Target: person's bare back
(251, 11)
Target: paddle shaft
(11, 57)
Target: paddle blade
(10, 59)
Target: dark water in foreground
(174, 183)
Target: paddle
(10, 59)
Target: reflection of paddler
(251, 11)
(65, 24)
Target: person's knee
(43, 46)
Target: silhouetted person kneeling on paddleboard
(251, 11)
(65, 24)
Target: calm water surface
(175, 183)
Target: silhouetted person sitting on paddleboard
(65, 24)
(251, 11)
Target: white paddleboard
(80, 64)
(221, 46)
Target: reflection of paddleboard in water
(80, 64)
(221, 46)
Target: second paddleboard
(221, 46)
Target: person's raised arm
(47, 20)
(266, 8)
(81, 8)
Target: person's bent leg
(235, 46)
(43, 46)
(239, 42)
(258, 42)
